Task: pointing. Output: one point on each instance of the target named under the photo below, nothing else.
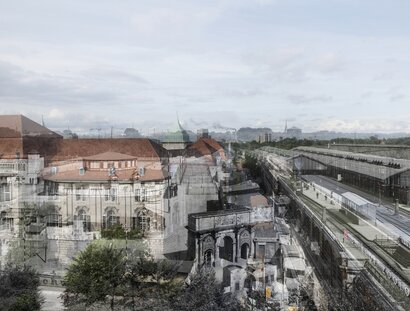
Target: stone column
(236, 246)
(216, 258)
(252, 244)
(199, 257)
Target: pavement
(52, 301)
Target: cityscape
(247, 155)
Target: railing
(13, 166)
(226, 219)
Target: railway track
(377, 250)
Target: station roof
(370, 165)
(290, 251)
(358, 200)
(294, 263)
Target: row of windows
(105, 164)
(142, 221)
(140, 195)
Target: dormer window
(82, 170)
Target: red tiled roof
(134, 147)
(213, 143)
(20, 126)
(205, 146)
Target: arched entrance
(244, 251)
(228, 249)
(250, 282)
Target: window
(137, 195)
(5, 193)
(113, 193)
(54, 219)
(82, 216)
(111, 220)
(143, 220)
(143, 195)
(80, 194)
(107, 194)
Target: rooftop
(16, 126)
(370, 165)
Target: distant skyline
(337, 65)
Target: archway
(244, 251)
(228, 248)
(250, 282)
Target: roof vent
(54, 170)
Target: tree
(203, 293)
(19, 289)
(96, 273)
(147, 278)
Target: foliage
(19, 289)
(252, 165)
(256, 300)
(203, 293)
(96, 273)
(129, 279)
(118, 232)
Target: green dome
(179, 136)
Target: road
(52, 301)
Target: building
(203, 133)
(101, 183)
(177, 141)
(265, 138)
(385, 176)
(293, 132)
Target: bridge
(348, 250)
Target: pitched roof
(15, 126)
(120, 147)
(204, 146)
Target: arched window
(111, 219)
(143, 220)
(82, 215)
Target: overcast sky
(339, 65)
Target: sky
(338, 65)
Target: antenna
(42, 121)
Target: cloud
(298, 99)
(329, 63)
